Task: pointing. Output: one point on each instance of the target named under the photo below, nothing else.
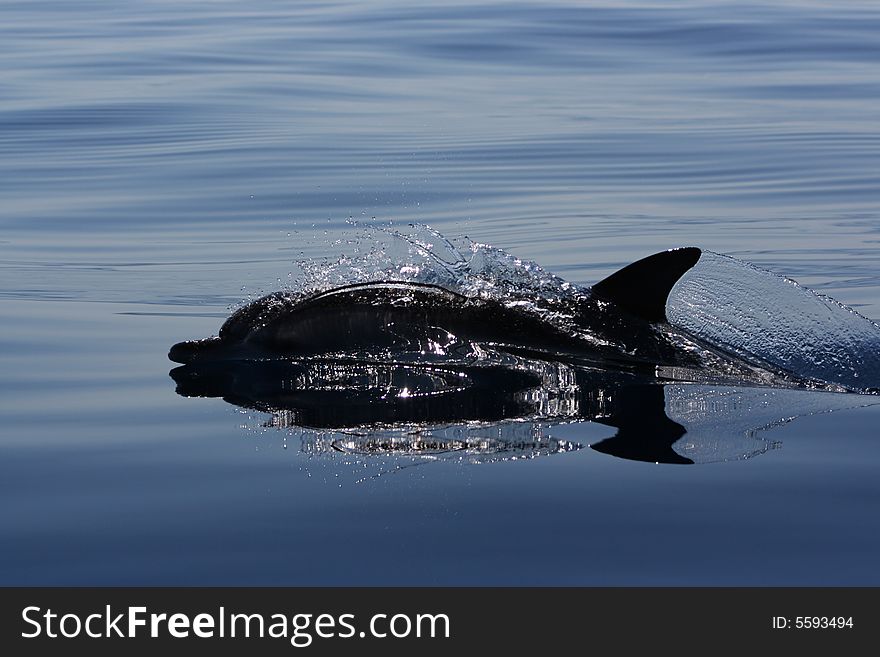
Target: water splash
(420, 254)
(759, 315)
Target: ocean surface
(163, 162)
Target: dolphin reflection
(406, 409)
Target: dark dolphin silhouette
(620, 323)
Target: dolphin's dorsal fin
(641, 288)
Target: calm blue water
(161, 161)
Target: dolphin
(358, 360)
(620, 324)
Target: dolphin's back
(399, 318)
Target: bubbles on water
(356, 456)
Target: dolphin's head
(197, 350)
